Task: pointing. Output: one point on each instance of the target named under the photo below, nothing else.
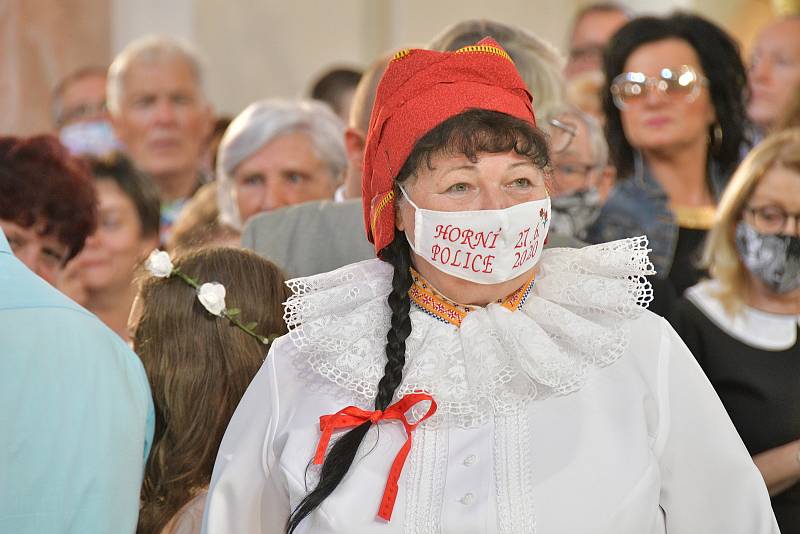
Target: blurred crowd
(657, 126)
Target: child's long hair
(199, 366)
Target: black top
(683, 274)
(760, 390)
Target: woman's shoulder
(189, 518)
(702, 310)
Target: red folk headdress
(419, 90)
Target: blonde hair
(198, 225)
(721, 256)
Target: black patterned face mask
(773, 259)
(573, 213)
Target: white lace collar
(759, 329)
(574, 320)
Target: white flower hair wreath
(210, 294)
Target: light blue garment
(76, 415)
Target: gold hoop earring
(716, 138)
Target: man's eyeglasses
(81, 111)
(680, 83)
(771, 219)
(561, 134)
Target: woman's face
(283, 172)
(454, 183)
(778, 192)
(774, 208)
(659, 123)
(111, 254)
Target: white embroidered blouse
(566, 408)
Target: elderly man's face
(774, 72)
(84, 100)
(575, 168)
(163, 119)
(589, 39)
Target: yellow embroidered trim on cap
(388, 197)
(485, 48)
(401, 54)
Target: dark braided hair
(470, 133)
(344, 450)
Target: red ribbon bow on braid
(353, 416)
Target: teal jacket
(76, 415)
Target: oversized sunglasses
(680, 83)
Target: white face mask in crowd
(482, 246)
(94, 138)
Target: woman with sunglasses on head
(675, 115)
(465, 381)
(743, 324)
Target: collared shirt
(76, 415)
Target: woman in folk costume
(466, 382)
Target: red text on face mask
(528, 247)
(455, 255)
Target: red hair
(41, 184)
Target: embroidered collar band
(427, 299)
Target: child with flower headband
(202, 326)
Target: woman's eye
(521, 182)
(458, 188)
(110, 223)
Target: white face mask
(483, 246)
(94, 138)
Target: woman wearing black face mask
(743, 325)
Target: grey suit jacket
(310, 238)
(317, 237)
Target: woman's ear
(399, 206)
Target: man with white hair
(161, 116)
(278, 153)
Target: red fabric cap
(419, 90)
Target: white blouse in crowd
(566, 408)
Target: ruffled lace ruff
(575, 319)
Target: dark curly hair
(721, 62)
(42, 184)
(470, 133)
